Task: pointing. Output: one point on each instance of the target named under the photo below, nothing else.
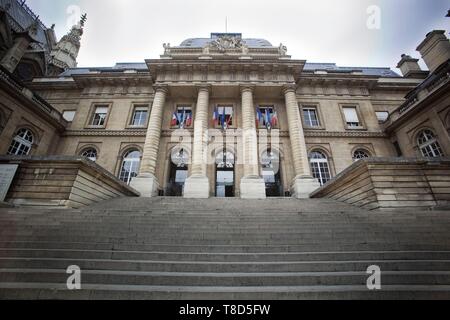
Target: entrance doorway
(271, 172)
(178, 174)
(225, 175)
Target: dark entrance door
(225, 175)
(225, 183)
(178, 174)
(271, 171)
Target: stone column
(146, 183)
(197, 185)
(304, 184)
(252, 185)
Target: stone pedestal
(253, 188)
(196, 187)
(146, 184)
(303, 186)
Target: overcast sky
(314, 30)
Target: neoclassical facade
(228, 116)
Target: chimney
(435, 49)
(410, 68)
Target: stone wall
(386, 183)
(71, 182)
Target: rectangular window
(310, 117)
(140, 114)
(182, 117)
(69, 115)
(351, 117)
(382, 116)
(99, 117)
(224, 116)
(267, 117)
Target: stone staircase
(171, 248)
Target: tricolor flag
(274, 119)
(189, 119)
(268, 120)
(215, 117)
(174, 121)
(183, 119)
(230, 118)
(258, 116)
(223, 119)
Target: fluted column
(200, 133)
(252, 185)
(197, 185)
(146, 183)
(250, 139)
(304, 183)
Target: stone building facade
(225, 116)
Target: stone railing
(388, 183)
(37, 101)
(426, 88)
(71, 182)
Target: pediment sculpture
(227, 42)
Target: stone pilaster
(252, 185)
(304, 184)
(197, 185)
(146, 183)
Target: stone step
(225, 257)
(49, 291)
(197, 266)
(414, 242)
(118, 246)
(114, 277)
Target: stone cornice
(232, 133)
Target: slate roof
(23, 17)
(309, 67)
(368, 71)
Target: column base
(303, 186)
(253, 188)
(196, 187)
(146, 184)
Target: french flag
(189, 120)
(258, 116)
(174, 121)
(274, 119)
(215, 116)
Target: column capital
(204, 87)
(246, 87)
(289, 88)
(161, 88)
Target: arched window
(22, 142)
(225, 159)
(90, 153)
(360, 154)
(319, 166)
(130, 166)
(428, 144)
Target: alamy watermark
(74, 280)
(374, 17)
(374, 281)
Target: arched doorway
(271, 172)
(178, 173)
(225, 164)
